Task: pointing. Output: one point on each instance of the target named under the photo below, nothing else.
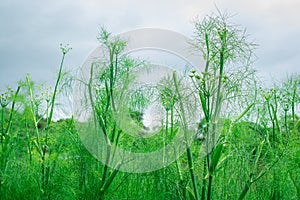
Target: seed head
(197, 77)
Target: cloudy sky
(32, 30)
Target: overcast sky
(31, 30)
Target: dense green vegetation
(246, 139)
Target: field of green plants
(245, 137)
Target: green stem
(2, 124)
(188, 150)
(111, 79)
(285, 122)
(55, 90)
(172, 121)
(164, 150)
(106, 185)
(32, 112)
(293, 102)
(165, 136)
(203, 179)
(209, 186)
(216, 111)
(90, 86)
(28, 141)
(105, 171)
(12, 109)
(245, 190)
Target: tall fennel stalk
(169, 99)
(40, 144)
(111, 84)
(185, 129)
(222, 44)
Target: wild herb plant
(224, 46)
(41, 142)
(9, 97)
(107, 86)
